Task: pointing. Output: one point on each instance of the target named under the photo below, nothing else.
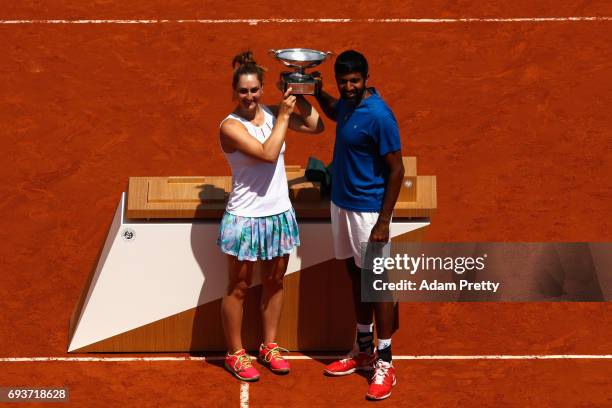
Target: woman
(259, 225)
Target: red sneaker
(270, 356)
(382, 381)
(355, 360)
(239, 364)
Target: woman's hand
(287, 105)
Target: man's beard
(356, 98)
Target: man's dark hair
(351, 61)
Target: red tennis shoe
(270, 356)
(239, 364)
(382, 381)
(354, 361)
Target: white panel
(169, 267)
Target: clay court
(507, 103)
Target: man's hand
(326, 101)
(380, 232)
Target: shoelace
(380, 372)
(274, 353)
(244, 361)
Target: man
(366, 179)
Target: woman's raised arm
(234, 135)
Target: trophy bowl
(299, 59)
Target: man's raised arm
(326, 101)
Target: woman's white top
(259, 188)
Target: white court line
(255, 21)
(315, 357)
(244, 394)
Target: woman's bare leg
(240, 277)
(272, 273)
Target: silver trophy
(299, 59)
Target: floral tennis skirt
(253, 238)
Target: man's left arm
(380, 232)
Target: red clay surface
(204, 9)
(513, 119)
(450, 384)
(119, 384)
(420, 384)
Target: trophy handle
(272, 52)
(328, 55)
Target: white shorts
(349, 230)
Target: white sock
(383, 343)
